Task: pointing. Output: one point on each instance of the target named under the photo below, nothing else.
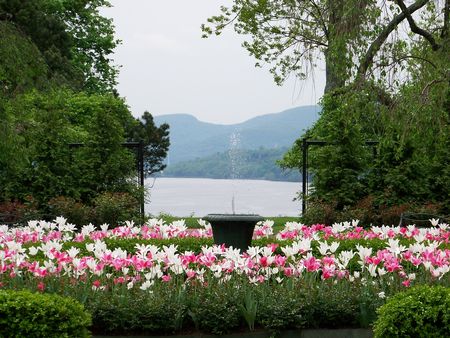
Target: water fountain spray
(235, 155)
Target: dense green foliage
(241, 164)
(406, 171)
(26, 314)
(423, 311)
(155, 139)
(218, 308)
(22, 66)
(139, 312)
(57, 88)
(46, 123)
(113, 208)
(75, 41)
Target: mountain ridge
(191, 138)
(243, 164)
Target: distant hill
(191, 139)
(249, 164)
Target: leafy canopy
(75, 41)
(381, 84)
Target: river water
(198, 197)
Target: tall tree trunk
(336, 53)
(334, 79)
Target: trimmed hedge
(423, 311)
(27, 314)
(192, 222)
(221, 308)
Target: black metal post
(141, 179)
(304, 173)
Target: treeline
(57, 86)
(236, 164)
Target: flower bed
(136, 279)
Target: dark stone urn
(234, 230)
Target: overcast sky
(168, 68)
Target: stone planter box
(234, 230)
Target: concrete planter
(234, 230)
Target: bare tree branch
(405, 57)
(426, 89)
(378, 42)
(320, 18)
(416, 29)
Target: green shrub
(168, 308)
(191, 222)
(115, 208)
(367, 210)
(281, 307)
(319, 212)
(27, 314)
(136, 311)
(422, 311)
(15, 212)
(333, 305)
(183, 244)
(75, 212)
(216, 308)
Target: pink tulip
(311, 264)
(406, 283)
(41, 286)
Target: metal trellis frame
(305, 145)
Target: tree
(155, 140)
(57, 87)
(381, 84)
(74, 39)
(104, 164)
(42, 132)
(45, 124)
(350, 36)
(22, 66)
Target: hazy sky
(168, 68)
